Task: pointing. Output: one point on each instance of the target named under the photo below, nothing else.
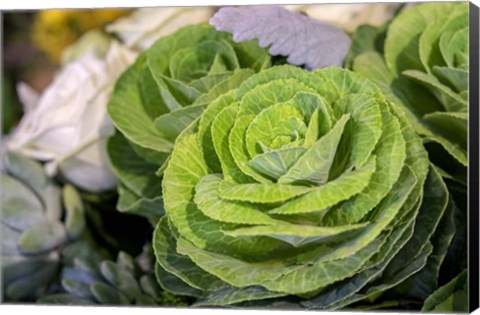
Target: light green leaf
(206, 58)
(313, 167)
(266, 94)
(229, 84)
(277, 120)
(206, 84)
(213, 132)
(275, 164)
(176, 94)
(239, 151)
(454, 46)
(298, 235)
(260, 193)
(220, 133)
(173, 123)
(430, 40)
(366, 118)
(185, 169)
(207, 198)
(313, 130)
(347, 185)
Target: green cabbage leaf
(422, 66)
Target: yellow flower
(54, 30)
(109, 15)
(52, 17)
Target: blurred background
(32, 46)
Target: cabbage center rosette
(290, 183)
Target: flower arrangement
(259, 157)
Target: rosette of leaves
(169, 86)
(38, 219)
(92, 278)
(420, 61)
(299, 184)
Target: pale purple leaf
(304, 40)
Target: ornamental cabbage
(169, 86)
(306, 184)
(424, 68)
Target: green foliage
(89, 277)
(38, 219)
(306, 184)
(451, 297)
(166, 89)
(423, 67)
